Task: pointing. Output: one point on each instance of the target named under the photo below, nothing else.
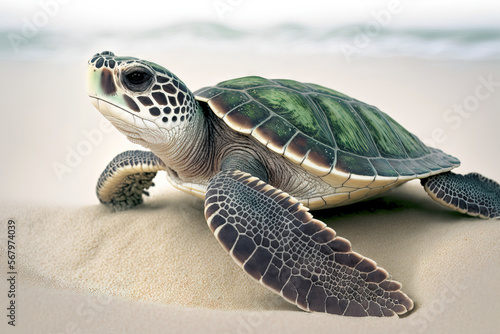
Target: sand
(83, 269)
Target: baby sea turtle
(261, 153)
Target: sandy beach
(158, 268)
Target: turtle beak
(95, 102)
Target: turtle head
(143, 100)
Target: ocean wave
(354, 40)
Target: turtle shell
(326, 132)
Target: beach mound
(88, 262)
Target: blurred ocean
(64, 29)
(349, 40)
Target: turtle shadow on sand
(400, 199)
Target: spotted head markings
(164, 99)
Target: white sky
(140, 14)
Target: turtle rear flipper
(472, 194)
(277, 242)
(126, 178)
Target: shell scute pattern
(248, 116)
(245, 83)
(388, 144)
(294, 107)
(323, 130)
(277, 131)
(225, 102)
(329, 91)
(348, 129)
(292, 84)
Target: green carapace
(262, 153)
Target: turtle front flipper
(275, 240)
(126, 178)
(472, 194)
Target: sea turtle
(261, 153)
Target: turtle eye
(137, 79)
